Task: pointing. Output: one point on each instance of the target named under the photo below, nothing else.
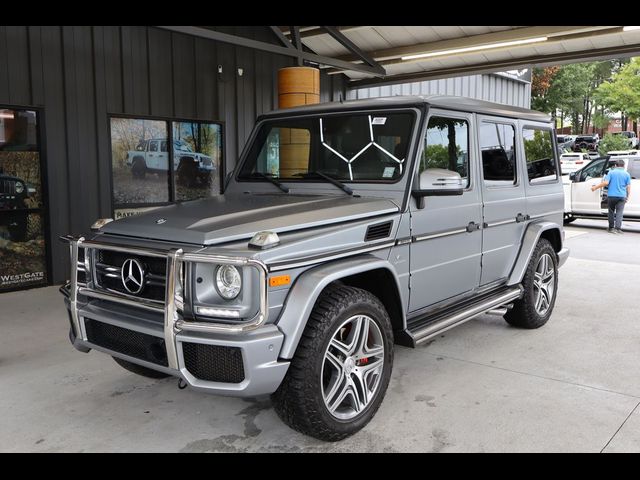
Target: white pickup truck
(153, 156)
(581, 202)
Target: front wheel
(540, 286)
(340, 373)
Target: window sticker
(388, 172)
(379, 120)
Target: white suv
(581, 202)
(571, 162)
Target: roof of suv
(438, 101)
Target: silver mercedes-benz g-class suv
(345, 228)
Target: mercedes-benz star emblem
(160, 221)
(132, 275)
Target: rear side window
(538, 152)
(497, 144)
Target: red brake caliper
(362, 361)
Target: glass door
(23, 250)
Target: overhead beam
(479, 40)
(280, 36)
(500, 66)
(352, 47)
(306, 32)
(268, 47)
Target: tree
(622, 92)
(569, 89)
(612, 142)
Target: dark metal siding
(80, 74)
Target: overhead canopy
(392, 54)
(416, 52)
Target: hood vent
(378, 231)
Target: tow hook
(182, 384)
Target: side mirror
(572, 176)
(437, 182)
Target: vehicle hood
(229, 217)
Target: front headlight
(228, 281)
(19, 187)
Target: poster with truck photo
(22, 240)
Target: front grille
(7, 187)
(129, 342)
(214, 363)
(108, 268)
(206, 162)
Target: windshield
(354, 147)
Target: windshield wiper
(337, 183)
(272, 180)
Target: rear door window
(538, 152)
(497, 144)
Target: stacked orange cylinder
(296, 86)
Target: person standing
(619, 182)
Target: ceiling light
(475, 48)
(629, 29)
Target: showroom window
(23, 250)
(141, 160)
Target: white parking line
(570, 233)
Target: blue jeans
(616, 210)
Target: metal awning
(392, 54)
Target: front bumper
(261, 370)
(238, 360)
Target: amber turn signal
(279, 280)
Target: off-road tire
(18, 228)
(187, 173)
(299, 400)
(524, 314)
(139, 369)
(139, 168)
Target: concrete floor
(573, 385)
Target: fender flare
(529, 241)
(305, 292)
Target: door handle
(472, 227)
(521, 218)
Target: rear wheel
(187, 173)
(139, 369)
(340, 373)
(540, 286)
(139, 168)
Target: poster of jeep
(22, 242)
(141, 157)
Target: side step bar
(495, 304)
